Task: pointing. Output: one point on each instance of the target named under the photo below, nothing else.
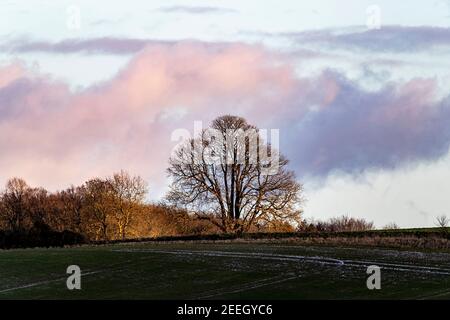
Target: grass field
(223, 271)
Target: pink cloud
(11, 72)
(54, 137)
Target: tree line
(228, 179)
(100, 209)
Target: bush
(339, 224)
(40, 235)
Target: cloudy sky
(359, 90)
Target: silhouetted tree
(442, 221)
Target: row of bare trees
(337, 224)
(99, 209)
(112, 208)
(227, 179)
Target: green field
(223, 271)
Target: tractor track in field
(317, 259)
(48, 281)
(299, 258)
(436, 295)
(242, 287)
(247, 286)
(44, 282)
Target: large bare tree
(232, 177)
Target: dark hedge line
(41, 236)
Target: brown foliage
(101, 209)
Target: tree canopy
(232, 177)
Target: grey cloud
(386, 39)
(105, 45)
(360, 130)
(196, 10)
(94, 45)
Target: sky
(358, 89)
